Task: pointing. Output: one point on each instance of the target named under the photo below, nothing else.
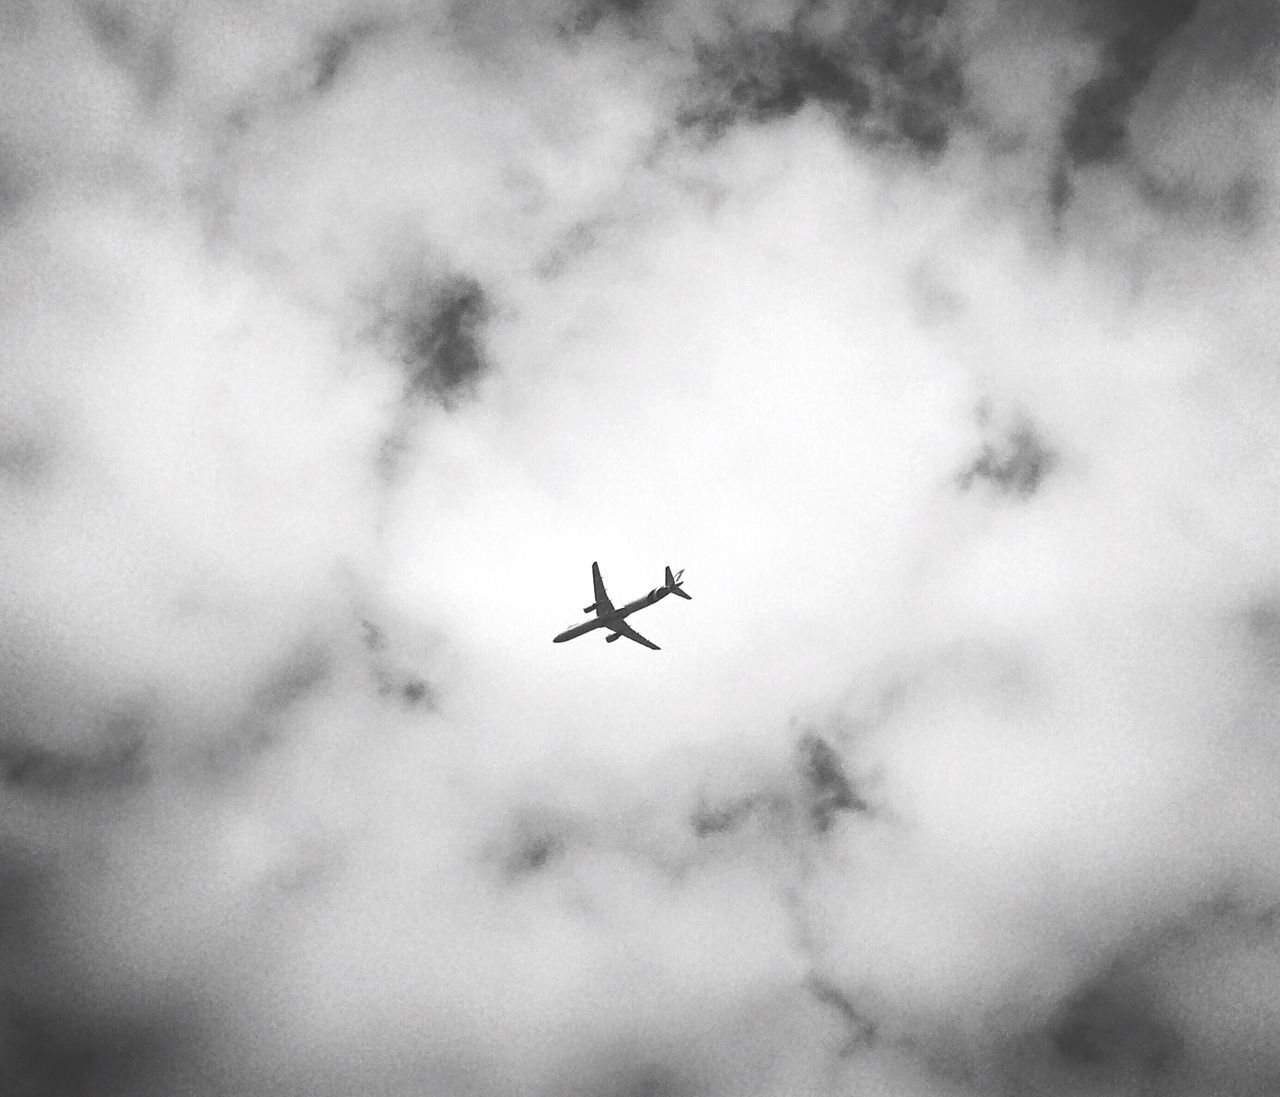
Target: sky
(936, 341)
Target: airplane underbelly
(574, 631)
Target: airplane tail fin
(673, 584)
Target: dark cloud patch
(47, 1054)
(391, 452)
(536, 838)
(262, 727)
(709, 819)
(828, 788)
(579, 240)
(760, 76)
(1013, 460)
(26, 458)
(1262, 622)
(626, 1073)
(119, 764)
(589, 14)
(411, 691)
(889, 77)
(1112, 1028)
(441, 338)
(373, 637)
(24, 892)
(303, 671)
(409, 688)
(146, 54)
(533, 850)
(649, 1080)
(1061, 188)
(15, 182)
(335, 50)
(921, 86)
(417, 692)
(1240, 207)
(1096, 128)
(1245, 203)
(859, 1028)
(1129, 1026)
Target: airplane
(613, 619)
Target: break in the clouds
(935, 340)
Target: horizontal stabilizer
(673, 584)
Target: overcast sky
(938, 342)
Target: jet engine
(588, 609)
(612, 637)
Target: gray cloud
(1015, 462)
(886, 75)
(1134, 34)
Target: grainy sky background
(937, 341)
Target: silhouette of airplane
(613, 619)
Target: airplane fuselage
(618, 614)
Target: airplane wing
(624, 629)
(603, 605)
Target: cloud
(934, 340)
